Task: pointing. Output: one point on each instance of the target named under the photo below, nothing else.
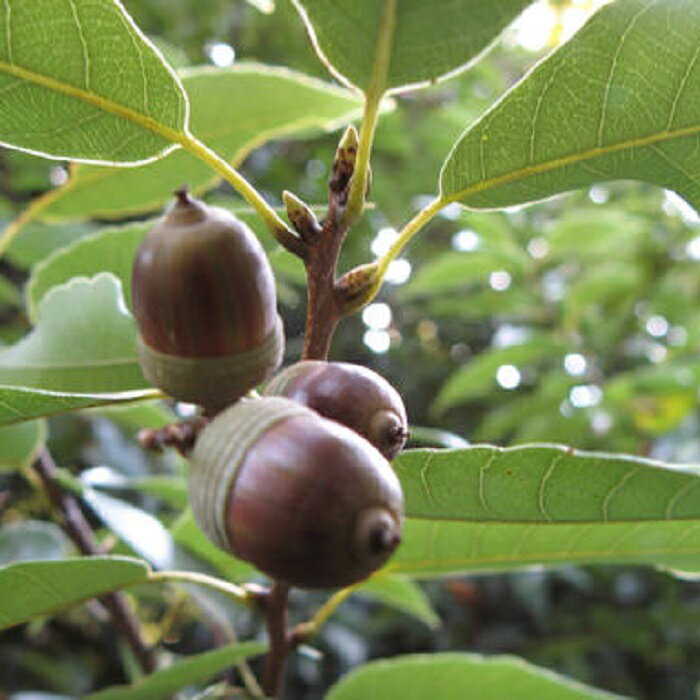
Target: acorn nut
(349, 394)
(304, 499)
(205, 304)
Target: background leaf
(32, 539)
(453, 676)
(19, 404)
(616, 102)
(234, 110)
(430, 40)
(402, 594)
(20, 443)
(99, 94)
(84, 342)
(32, 588)
(196, 668)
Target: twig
(78, 529)
(276, 623)
(324, 304)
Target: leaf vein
(83, 42)
(681, 88)
(613, 67)
(605, 505)
(541, 504)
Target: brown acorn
(205, 304)
(349, 394)
(304, 499)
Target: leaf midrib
(103, 103)
(564, 161)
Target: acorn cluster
(296, 481)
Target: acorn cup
(349, 394)
(304, 499)
(205, 305)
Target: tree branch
(78, 529)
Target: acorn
(304, 499)
(349, 394)
(205, 304)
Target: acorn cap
(216, 381)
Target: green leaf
(39, 239)
(485, 509)
(603, 287)
(19, 404)
(109, 250)
(234, 110)
(453, 271)
(590, 235)
(188, 535)
(432, 548)
(197, 668)
(478, 378)
(167, 488)
(430, 40)
(113, 249)
(20, 443)
(32, 539)
(404, 595)
(139, 530)
(84, 342)
(633, 113)
(79, 80)
(453, 676)
(32, 588)
(535, 483)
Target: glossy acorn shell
(350, 394)
(304, 499)
(205, 304)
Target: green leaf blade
(535, 483)
(192, 669)
(19, 444)
(431, 548)
(631, 116)
(491, 509)
(453, 676)
(100, 93)
(84, 342)
(431, 39)
(19, 404)
(234, 110)
(32, 588)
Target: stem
(276, 623)
(375, 91)
(78, 529)
(306, 630)
(322, 312)
(407, 233)
(278, 228)
(236, 593)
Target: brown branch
(78, 529)
(325, 305)
(276, 623)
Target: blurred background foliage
(574, 320)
